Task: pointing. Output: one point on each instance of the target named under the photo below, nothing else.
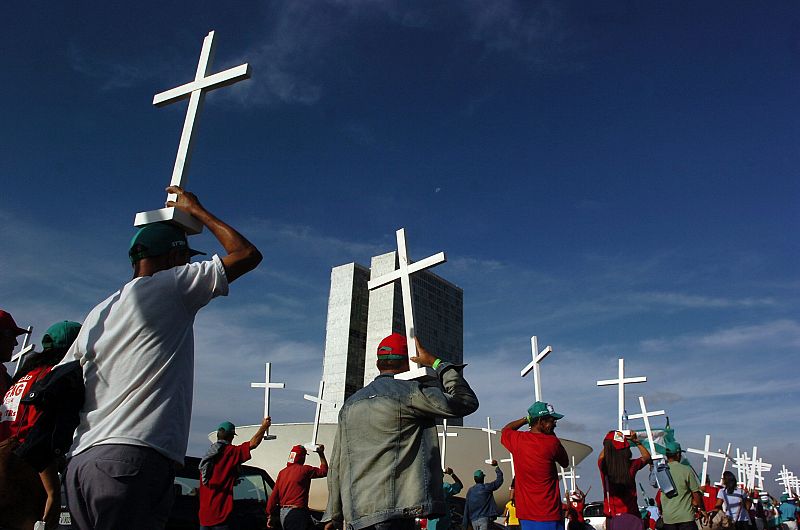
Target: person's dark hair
(478, 480)
(222, 434)
(729, 480)
(390, 364)
(616, 466)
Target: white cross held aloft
(785, 478)
(742, 466)
(195, 91)
(573, 477)
(443, 444)
(24, 350)
(489, 432)
(645, 416)
(510, 460)
(568, 473)
(403, 273)
(706, 453)
(536, 357)
(312, 445)
(758, 470)
(621, 381)
(267, 385)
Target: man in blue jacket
(480, 507)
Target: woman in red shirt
(618, 476)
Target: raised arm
(242, 255)
(497, 482)
(452, 399)
(516, 425)
(255, 441)
(646, 458)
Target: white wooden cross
(510, 460)
(537, 357)
(489, 432)
(784, 477)
(563, 474)
(725, 465)
(758, 470)
(267, 385)
(742, 465)
(443, 444)
(646, 418)
(568, 473)
(621, 381)
(751, 474)
(403, 273)
(573, 477)
(706, 453)
(23, 350)
(195, 91)
(312, 445)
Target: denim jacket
(480, 500)
(385, 461)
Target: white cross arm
(417, 266)
(648, 413)
(490, 431)
(701, 452)
(22, 352)
(525, 371)
(267, 385)
(315, 399)
(607, 382)
(218, 80)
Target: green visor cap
(156, 239)
(540, 408)
(60, 335)
(479, 474)
(228, 427)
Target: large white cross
(23, 350)
(489, 432)
(573, 477)
(568, 473)
(706, 453)
(195, 91)
(646, 418)
(758, 470)
(312, 445)
(784, 477)
(621, 381)
(267, 385)
(403, 273)
(510, 460)
(751, 474)
(742, 465)
(443, 444)
(537, 357)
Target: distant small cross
(312, 445)
(785, 478)
(646, 418)
(403, 273)
(196, 92)
(706, 453)
(621, 381)
(24, 350)
(443, 444)
(267, 385)
(725, 464)
(489, 432)
(537, 357)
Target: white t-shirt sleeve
(198, 283)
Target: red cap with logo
(7, 323)
(297, 455)
(393, 347)
(618, 439)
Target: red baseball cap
(7, 323)
(393, 347)
(618, 439)
(297, 455)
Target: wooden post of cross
(24, 350)
(645, 416)
(196, 92)
(312, 445)
(489, 432)
(444, 435)
(536, 357)
(403, 273)
(267, 385)
(621, 381)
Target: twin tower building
(359, 319)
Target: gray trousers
(120, 487)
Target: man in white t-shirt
(137, 353)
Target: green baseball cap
(540, 409)
(156, 239)
(672, 447)
(228, 427)
(479, 474)
(60, 335)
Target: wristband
(436, 364)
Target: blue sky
(619, 180)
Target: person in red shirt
(618, 477)
(535, 453)
(219, 470)
(17, 419)
(710, 493)
(577, 502)
(291, 489)
(9, 331)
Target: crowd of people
(107, 404)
